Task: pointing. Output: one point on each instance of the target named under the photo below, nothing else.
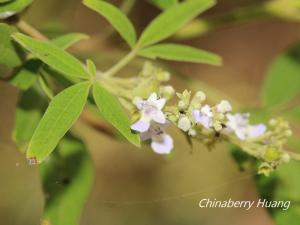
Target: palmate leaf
(283, 78)
(116, 17)
(60, 115)
(181, 53)
(67, 178)
(168, 22)
(53, 56)
(9, 8)
(10, 54)
(112, 111)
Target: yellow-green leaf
(168, 22)
(53, 56)
(29, 112)
(181, 53)
(116, 17)
(26, 76)
(67, 179)
(59, 117)
(67, 40)
(283, 78)
(10, 8)
(10, 54)
(164, 4)
(113, 112)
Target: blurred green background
(135, 186)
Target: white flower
(161, 142)
(204, 116)
(223, 107)
(239, 124)
(184, 123)
(151, 110)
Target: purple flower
(239, 124)
(151, 124)
(161, 142)
(204, 116)
(151, 110)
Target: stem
(127, 6)
(295, 156)
(122, 63)
(30, 30)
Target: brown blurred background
(139, 183)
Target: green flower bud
(166, 92)
(182, 105)
(272, 154)
(163, 76)
(265, 168)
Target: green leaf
(67, 179)
(168, 22)
(26, 76)
(59, 117)
(283, 185)
(112, 111)
(53, 56)
(283, 78)
(91, 67)
(67, 40)
(11, 55)
(116, 17)
(2, 1)
(164, 4)
(180, 53)
(9, 8)
(295, 113)
(28, 114)
(288, 189)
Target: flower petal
(138, 102)
(152, 97)
(159, 117)
(257, 130)
(205, 121)
(206, 110)
(240, 133)
(162, 144)
(160, 103)
(224, 106)
(140, 126)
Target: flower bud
(265, 168)
(223, 107)
(182, 105)
(184, 123)
(167, 92)
(272, 154)
(163, 76)
(200, 96)
(192, 132)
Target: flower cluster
(206, 123)
(210, 124)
